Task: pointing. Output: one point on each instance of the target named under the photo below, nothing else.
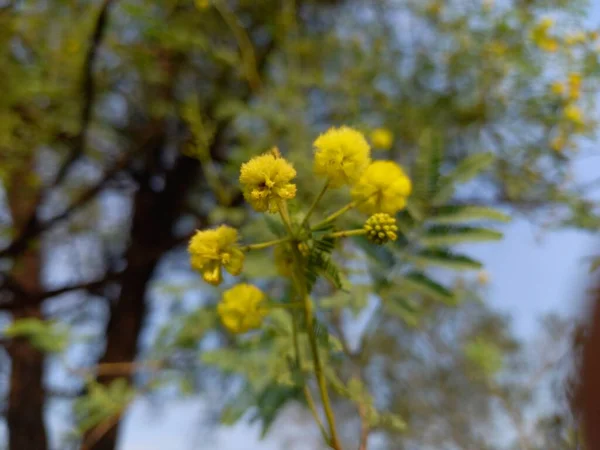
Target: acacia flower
(382, 138)
(383, 187)
(211, 249)
(557, 88)
(574, 85)
(265, 180)
(341, 155)
(242, 308)
(541, 36)
(574, 114)
(381, 228)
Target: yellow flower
(541, 38)
(266, 180)
(557, 88)
(341, 155)
(242, 308)
(574, 85)
(383, 187)
(381, 228)
(202, 4)
(574, 114)
(382, 138)
(558, 143)
(575, 38)
(211, 249)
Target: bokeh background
(123, 124)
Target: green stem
(309, 398)
(335, 215)
(315, 203)
(346, 233)
(262, 245)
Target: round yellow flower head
(341, 155)
(382, 138)
(202, 4)
(211, 249)
(557, 88)
(574, 85)
(381, 228)
(383, 187)
(242, 308)
(266, 180)
(573, 114)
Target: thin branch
(89, 285)
(88, 91)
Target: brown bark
(154, 216)
(26, 399)
(25, 413)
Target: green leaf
(441, 236)
(444, 258)
(467, 169)
(403, 308)
(457, 213)
(46, 336)
(274, 225)
(421, 283)
(427, 166)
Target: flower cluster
(383, 187)
(266, 181)
(342, 154)
(242, 308)
(540, 35)
(210, 250)
(343, 158)
(381, 228)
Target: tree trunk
(26, 399)
(25, 414)
(154, 216)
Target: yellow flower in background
(558, 143)
(575, 38)
(242, 308)
(541, 37)
(266, 180)
(382, 138)
(383, 187)
(202, 4)
(574, 114)
(210, 250)
(381, 228)
(341, 155)
(557, 88)
(574, 83)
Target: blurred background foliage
(123, 124)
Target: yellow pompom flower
(383, 187)
(381, 228)
(212, 249)
(574, 85)
(341, 155)
(202, 4)
(574, 114)
(382, 138)
(558, 143)
(557, 88)
(242, 308)
(265, 180)
(541, 36)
